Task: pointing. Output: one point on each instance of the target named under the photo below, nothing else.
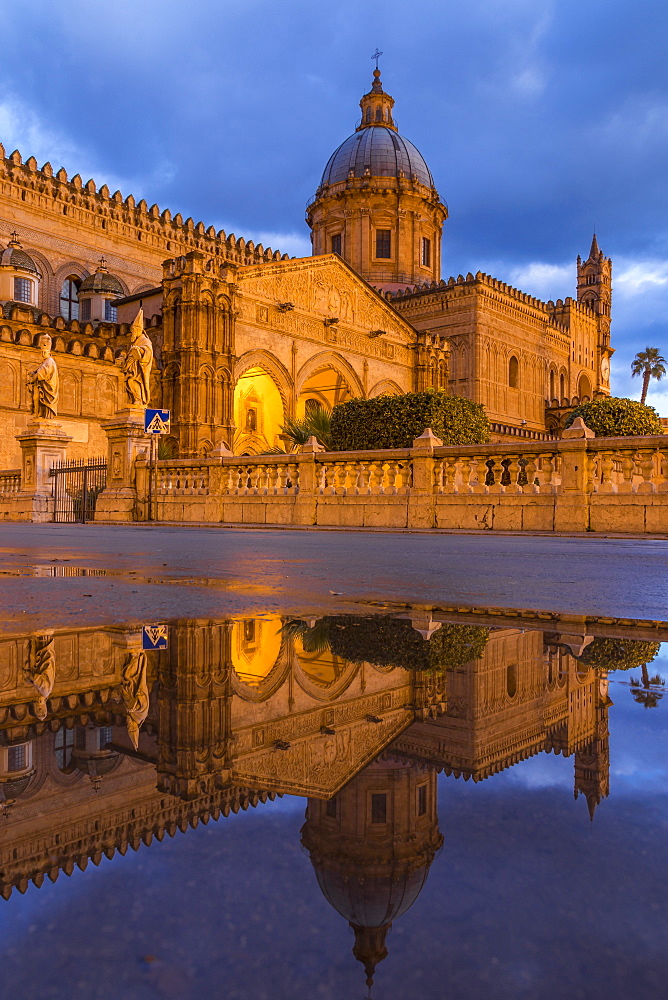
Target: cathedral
(246, 338)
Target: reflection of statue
(134, 691)
(138, 363)
(40, 670)
(43, 383)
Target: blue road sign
(156, 421)
(154, 637)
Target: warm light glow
(258, 413)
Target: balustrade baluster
(603, 482)
(646, 469)
(282, 478)
(363, 478)
(449, 475)
(628, 465)
(479, 474)
(293, 476)
(376, 478)
(663, 470)
(513, 474)
(531, 470)
(546, 473)
(439, 474)
(351, 478)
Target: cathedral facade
(247, 339)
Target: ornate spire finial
(376, 56)
(15, 238)
(102, 265)
(594, 252)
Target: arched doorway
(584, 388)
(259, 413)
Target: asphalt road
(57, 575)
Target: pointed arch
(386, 387)
(329, 359)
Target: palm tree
(317, 423)
(644, 689)
(649, 364)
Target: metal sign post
(155, 422)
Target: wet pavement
(50, 574)
(268, 765)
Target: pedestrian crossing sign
(154, 637)
(156, 421)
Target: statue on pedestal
(43, 383)
(138, 363)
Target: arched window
(511, 680)
(513, 373)
(379, 114)
(551, 386)
(251, 419)
(69, 298)
(584, 388)
(562, 387)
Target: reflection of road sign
(154, 637)
(156, 421)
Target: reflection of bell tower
(592, 763)
(194, 706)
(371, 847)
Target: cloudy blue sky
(540, 119)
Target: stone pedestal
(43, 443)
(127, 441)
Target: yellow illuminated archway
(256, 645)
(322, 668)
(325, 388)
(258, 413)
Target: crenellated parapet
(112, 215)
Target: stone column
(421, 500)
(43, 443)
(572, 501)
(126, 442)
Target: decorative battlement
(122, 216)
(555, 310)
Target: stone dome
(382, 152)
(101, 281)
(14, 256)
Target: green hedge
(395, 421)
(393, 642)
(611, 416)
(619, 654)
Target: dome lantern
(97, 294)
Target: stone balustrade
(10, 482)
(571, 484)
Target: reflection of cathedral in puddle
(240, 711)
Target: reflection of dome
(15, 256)
(101, 281)
(13, 787)
(371, 848)
(95, 764)
(371, 900)
(382, 152)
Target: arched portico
(262, 394)
(327, 379)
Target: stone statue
(43, 383)
(40, 670)
(134, 691)
(138, 363)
